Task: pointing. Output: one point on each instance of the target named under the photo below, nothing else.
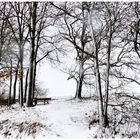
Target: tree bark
(10, 87)
(19, 92)
(80, 81)
(15, 83)
(34, 75)
(30, 87)
(26, 84)
(99, 91)
(107, 81)
(29, 101)
(21, 77)
(97, 72)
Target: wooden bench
(35, 100)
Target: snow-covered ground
(65, 118)
(62, 118)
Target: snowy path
(64, 119)
(67, 119)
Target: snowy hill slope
(61, 118)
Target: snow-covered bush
(3, 96)
(124, 119)
(18, 130)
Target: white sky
(55, 81)
(57, 84)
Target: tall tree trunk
(34, 76)
(15, 83)
(26, 84)
(99, 91)
(29, 101)
(10, 88)
(30, 85)
(0, 53)
(19, 92)
(97, 72)
(21, 80)
(107, 82)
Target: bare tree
(73, 28)
(39, 21)
(16, 19)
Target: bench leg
(35, 102)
